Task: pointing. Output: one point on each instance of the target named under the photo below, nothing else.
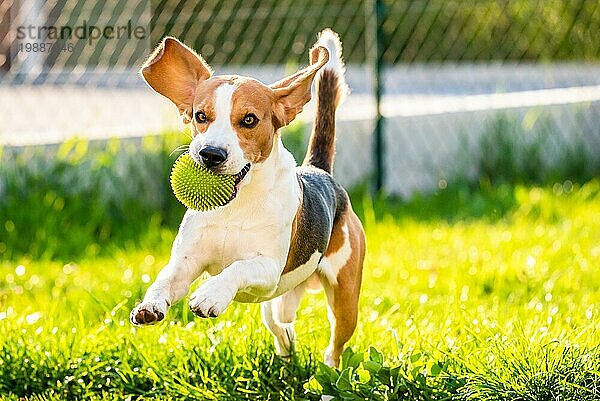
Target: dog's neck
(276, 173)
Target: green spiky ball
(199, 188)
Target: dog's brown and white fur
(288, 227)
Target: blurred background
(443, 93)
(470, 146)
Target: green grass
(491, 294)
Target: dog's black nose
(212, 156)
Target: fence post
(374, 24)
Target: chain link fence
(116, 34)
(450, 70)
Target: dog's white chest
(257, 223)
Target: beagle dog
(286, 228)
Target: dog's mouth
(237, 179)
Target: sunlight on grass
(502, 303)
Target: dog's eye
(201, 117)
(249, 120)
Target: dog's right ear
(174, 70)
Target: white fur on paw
(329, 360)
(212, 298)
(149, 312)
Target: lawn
(489, 293)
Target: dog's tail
(331, 89)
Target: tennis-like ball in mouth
(199, 188)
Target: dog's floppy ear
(174, 70)
(293, 92)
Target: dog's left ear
(293, 92)
(174, 70)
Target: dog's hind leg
(342, 311)
(279, 315)
(340, 273)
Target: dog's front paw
(148, 312)
(212, 298)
